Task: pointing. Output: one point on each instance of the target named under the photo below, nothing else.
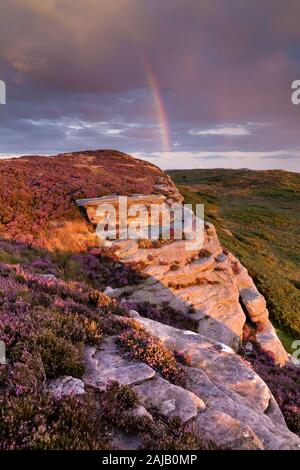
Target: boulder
(65, 386)
(255, 305)
(170, 400)
(106, 364)
(269, 342)
(133, 314)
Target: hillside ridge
(179, 328)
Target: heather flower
(138, 344)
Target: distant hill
(257, 215)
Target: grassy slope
(262, 211)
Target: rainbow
(158, 104)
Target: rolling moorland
(257, 216)
(53, 309)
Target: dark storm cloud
(76, 77)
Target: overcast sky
(183, 83)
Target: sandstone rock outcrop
(209, 282)
(218, 360)
(225, 401)
(256, 310)
(240, 411)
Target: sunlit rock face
(240, 411)
(206, 283)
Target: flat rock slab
(217, 360)
(170, 399)
(65, 386)
(105, 365)
(114, 200)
